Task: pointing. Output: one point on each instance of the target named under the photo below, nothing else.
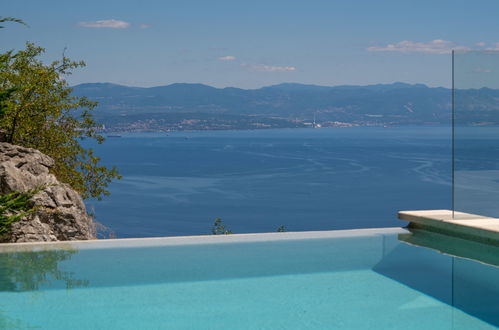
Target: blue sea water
(304, 179)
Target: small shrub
(13, 207)
(219, 228)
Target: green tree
(39, 111)
(5, 94)
(219, 228)
(281, 229)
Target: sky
(250, 44)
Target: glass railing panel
(476, 134)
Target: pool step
(463, 225)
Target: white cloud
(107, 23)
(480, 44)
(227, 58)
(433, 47)
(496, 47)
(268, 68)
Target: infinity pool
(356, 279)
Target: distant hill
(197, 106)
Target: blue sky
(250, 44)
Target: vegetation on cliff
(37, 110)
(14, 206)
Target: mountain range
(196, 106)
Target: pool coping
(459, 224)
(196, 239)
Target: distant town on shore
(180, 107)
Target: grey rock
(60, 213)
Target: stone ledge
(195, 240)
(460, 224)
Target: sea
(178, 183)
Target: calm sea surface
(256, 181)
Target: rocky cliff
(59, 213)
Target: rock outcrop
(59, 213)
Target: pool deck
(463, 225)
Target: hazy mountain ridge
(286, 105)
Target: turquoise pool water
(361, 279)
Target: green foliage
(4, 96)
(219, 228)
(281, 229)
(10, 19)
(38, 111)
(13, 207)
